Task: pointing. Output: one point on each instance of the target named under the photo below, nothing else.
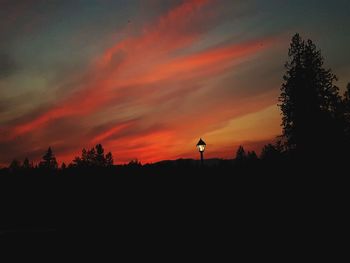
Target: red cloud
(168, 29)
(145, 65)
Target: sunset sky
(148, 78)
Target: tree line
(93, 158)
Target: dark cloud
(4, 105)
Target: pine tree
(83, 161)
(271, 152)
(91, 157)
(309, 100)
(346, 103)
(77, 162)
(252, 156)
(240, 154)
(94, 157)
(15, 165)
(49, 160)
(100, 158)
(109, 159)
(27, 164)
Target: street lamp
(201, 146)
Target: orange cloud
(94, 94)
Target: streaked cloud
(150, 88)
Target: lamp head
(201, 145)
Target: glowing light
(201, 145)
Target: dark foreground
(172, 200)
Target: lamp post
(201, 147)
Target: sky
(147, 79)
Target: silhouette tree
(309, 101)
(83, 161)
(63, 166)
(252, 156)
(26, 164)
(346, 103)
(240, 154)
(271, 152)
(15, 165)
(77, 162)
(100, 159)
(134, 163)
(91, 157)
(109, 159)
(49, 160)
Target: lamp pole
(201, 147)
(202, 160)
